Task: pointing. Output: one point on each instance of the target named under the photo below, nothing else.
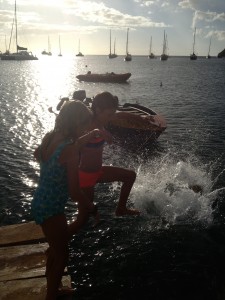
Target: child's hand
(107, 136)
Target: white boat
(49, 53)
(112, 55)
(21, 52)
(151, 55)
(164, 55)
(128, 56)
(193, 56)
(79, 53)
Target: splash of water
(176, 192)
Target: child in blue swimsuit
(58, 155)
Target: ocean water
(176, 248)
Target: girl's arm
(84, 139)
(44, 143)
(72, 166)
(95, 133)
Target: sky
(91, 21)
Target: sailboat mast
(115, 46)
(16, 28)
(209, 45)
(150, 47)
(11, 34)
(59, 46)
(110, 42)
(5, 45)
(127, 41)
(48, 45)
(164, 43)
(194, 41)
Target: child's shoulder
(70, 153)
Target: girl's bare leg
(127, 177)
(55, 230)
(83, 214)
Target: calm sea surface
(176, 248)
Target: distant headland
(221, 54)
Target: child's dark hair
(61, 102)
(104, 100)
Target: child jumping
(91, 170)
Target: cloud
(42, 16)
(208, 17)
(94, 12)
(145, 3)
(185, 4)
(220, 35)
(217, 6)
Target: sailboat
(49, 49)
(6, 51)
(128, 56)
(193, 56)
(164, 55)
(79, 53)
(151, 55)
(60, 53)
(209, 56)
(112, 55)
(21, 52)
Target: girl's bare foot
(127, 211)
(65, 291)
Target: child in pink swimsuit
(91, 170)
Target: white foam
(162, 189)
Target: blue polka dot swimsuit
(51, 194)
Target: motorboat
(105, 77)
(134, 121)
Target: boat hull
(128, 58)
(108, 77)
(19, 57)
(164, 57)
(151, 56)
(136, 123)
(112, 55)
(193, 56)
(133, 134)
